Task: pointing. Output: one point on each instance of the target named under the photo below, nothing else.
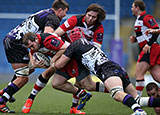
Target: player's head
(94, 13)
(60, 7)
(137, 7)
(30, 40)
(152, 89)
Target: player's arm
(152, 31)
(68, 54)
(58, 54)
(67, 25)
(98, 36)
(150, 22)
(48, 29)
(59, 31)
(51, 24)
(61, 62)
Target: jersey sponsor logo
(99, 37)
(55, 43)
(151, 22)
(66, 24)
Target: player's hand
(38, 64)
(151, 31)
(146, 48)
(132, 39)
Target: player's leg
(115, 86)
(155, 72)
(85, 81)
(41, 82)
(17, 84)
(17, 55)
(141, 69)
(12, 99)
(91, 85)
(60, 83)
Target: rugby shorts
(73, 69)
(110, 69)
(15, 51)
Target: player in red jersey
(53, 46)
(147, 45)
(90, 23)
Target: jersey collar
(143, 13)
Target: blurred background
(117, 28)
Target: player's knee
(88, 86)
(56, 85)
(139, 76)
(115, 92)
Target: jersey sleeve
(150, 22)
(53, 43)
(52, 21)
(72, 49)
(69, 24)
(98, 35)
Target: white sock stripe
(135, 105)
(39, 83)
(75, 100)
(144, 101)
(6, 95)
(34, 92)
(79, 93)
(140, 83)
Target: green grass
(52, 102)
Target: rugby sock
(10, 90)
(40, 84)
(100, 87)
(154, 102)
(149, 102)
(14, 77)
(75, 101)
(130, 102)
(80, 93)
(139, 86)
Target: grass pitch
(52, 102)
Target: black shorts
(144, 57)
(110, 69)
(81, 73)
(15, 51)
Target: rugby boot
(5, 109)
(139, 112)
(11, 100)
(73, 110)
(83, 101)
(27, 106)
